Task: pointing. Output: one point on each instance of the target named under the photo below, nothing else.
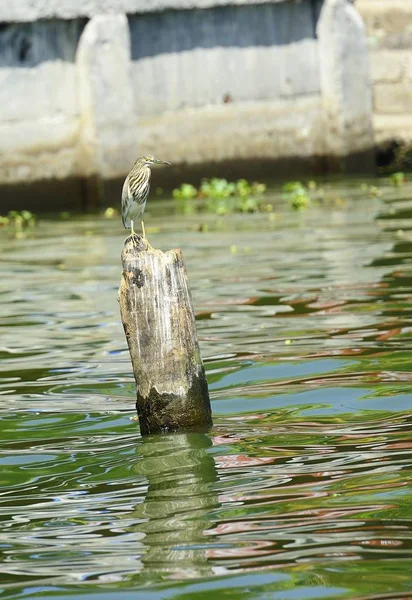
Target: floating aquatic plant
(298, 194)
(222, 196)
(18, 220)
(397, 178)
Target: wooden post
(159, 323)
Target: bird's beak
(157, 161)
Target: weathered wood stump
(159, 323)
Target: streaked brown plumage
(136, 190)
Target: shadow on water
(302, 488)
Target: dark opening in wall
(387, 153)
(29, 44)
(265, 24)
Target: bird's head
(150, 160)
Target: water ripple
(302, 488)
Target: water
(299, 492)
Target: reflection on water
(301, 489)
(175, 512)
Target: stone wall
(85, 85)
(389, 30)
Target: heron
(136, 189)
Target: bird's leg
(148, 244)
(132, 232)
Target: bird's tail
(126, 220)
(126, 204)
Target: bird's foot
(135, 238)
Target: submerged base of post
(159, 323)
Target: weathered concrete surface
(393, 99)
(389, 29)
(388, 22)
(345, 80)
(44, 149)
(39, 116)
(31, 10)
(390, 66)
(233, 54)
(239, 79)
(106, 98)
(283, 128)
(392, 127)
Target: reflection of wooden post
(159, 324)
(177, 508)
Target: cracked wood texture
(159, 323)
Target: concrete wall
(236, 53)
(32, 10)
(389, 30)
(84, 86)
(39, 115)
(227, 82)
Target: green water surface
(299, 492)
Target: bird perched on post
(136, 190)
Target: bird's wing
(126, 203)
